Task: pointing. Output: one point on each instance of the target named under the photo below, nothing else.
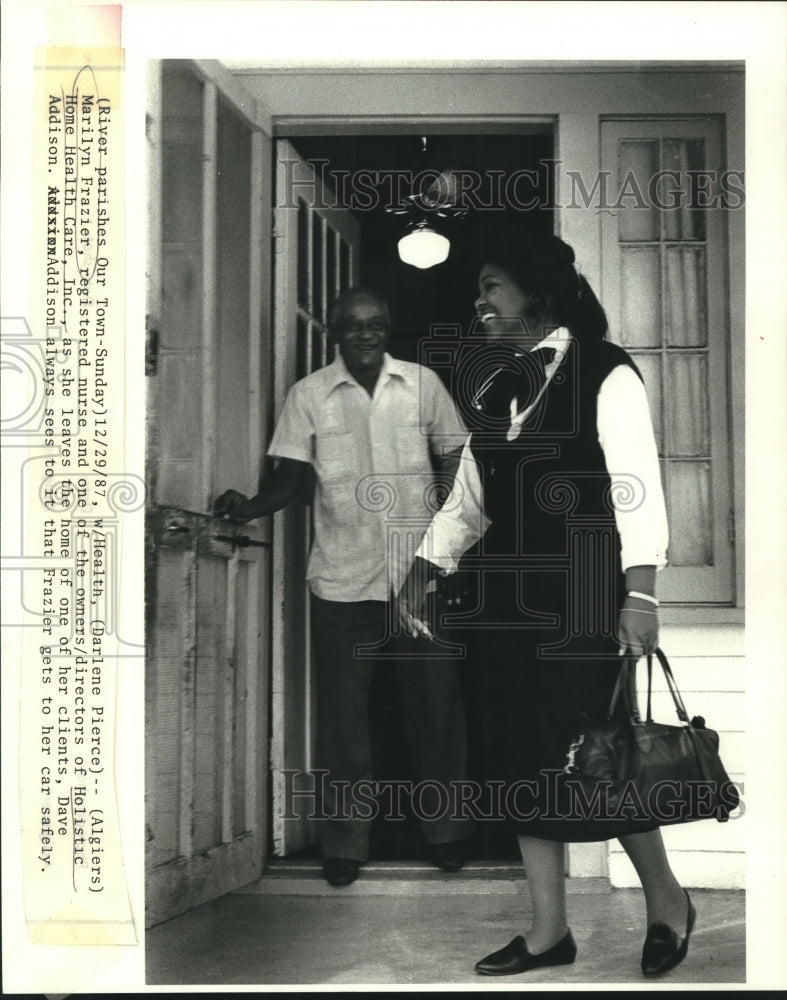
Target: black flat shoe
(340, 871)
(516, 958)
(663, 949)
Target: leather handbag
(626, 775)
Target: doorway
(509, 176)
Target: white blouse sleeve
(460, 522)
(625, 433)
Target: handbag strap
(677, 699)
(626, 689)
(633, 704)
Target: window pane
(650, 369)
(318, 341)
(303, 254)
(331, 271)
(637, 164)
(317, 266)
(302, 361)
(345, 271)
(687, 405)
(687, 311)
(689, 514)
(689, 190)
(672, 282)
(641, 297)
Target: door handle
(241, 541)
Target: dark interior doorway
(515, 184)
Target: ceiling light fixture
(423, 246)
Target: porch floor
(408, 924)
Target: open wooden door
(207, 581)
(317, 246)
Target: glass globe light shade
(423, 247)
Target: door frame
(582, 860)
(287, 750)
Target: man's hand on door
(234, 506)
(280, 488)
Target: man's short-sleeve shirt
(376, 491)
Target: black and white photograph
(443, 585)
(429, 592)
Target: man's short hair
(342, 303)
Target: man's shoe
(340, 871)
(516, 958)
(451, 857)
(663, 949)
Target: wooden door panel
(178, 456)
(210, 683)
(207, 580)
(241, 651)
(233, 274)
(205, 723)
(166, 677)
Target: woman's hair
(543, 266)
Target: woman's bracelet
(643, 597)
(639, 611)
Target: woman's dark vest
(547, 493)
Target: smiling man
(375, 431)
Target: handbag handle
(672, 684)
(626, 688)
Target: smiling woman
(568, 573)
(547, 269)
(501, 305)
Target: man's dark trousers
(434, 719)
